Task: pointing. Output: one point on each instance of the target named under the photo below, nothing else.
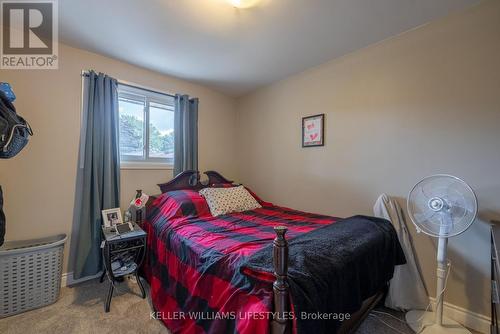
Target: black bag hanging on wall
(14, 130)
(2, 218)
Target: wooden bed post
(281, 322)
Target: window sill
(146, 166)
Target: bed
(267, 270)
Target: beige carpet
(81, 310)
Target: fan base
(427, 322)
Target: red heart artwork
(313, 136)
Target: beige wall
(39, 184)
(424, 102)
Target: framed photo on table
(112, 217)
(313, 130)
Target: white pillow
(222, 201)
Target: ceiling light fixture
(243, 3)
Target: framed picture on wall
(313, 130)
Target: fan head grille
(442, 205)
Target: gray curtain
(98, 175)
(185, 134)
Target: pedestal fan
(441, 206)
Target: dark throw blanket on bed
(357, 258)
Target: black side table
(129, 248)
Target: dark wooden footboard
(281, 323)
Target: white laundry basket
(30, 273)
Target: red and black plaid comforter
(194, 263)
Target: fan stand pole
(434, 322)
(441, 278)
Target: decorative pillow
(230, 185)
(182, 203)
(222, 201)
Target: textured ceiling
(237, 50)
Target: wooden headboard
(190, 180)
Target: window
(146, 127)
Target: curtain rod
(133, 85)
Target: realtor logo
(29, 35)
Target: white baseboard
(478, 322)
(68, 280)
